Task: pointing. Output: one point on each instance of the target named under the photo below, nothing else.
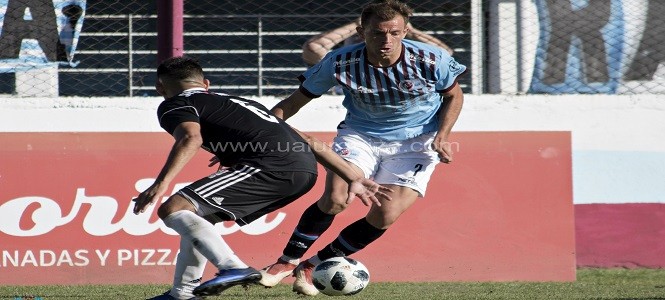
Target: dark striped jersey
(239, 131)
(392, 103)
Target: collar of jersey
(194, 89)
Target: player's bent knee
(332, 205)
(381, 219)
(173, 204)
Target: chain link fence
(254, 48)
(570, 46)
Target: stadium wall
(606, 153)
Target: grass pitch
(590, 284)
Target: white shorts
(407, 163)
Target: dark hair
(179, 68)
(385, 10)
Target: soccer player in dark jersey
(267, 165)
(402, 100)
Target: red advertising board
(502, 211)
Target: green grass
(590, 284)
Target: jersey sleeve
(318, 79)
(448, 69)
(172, 112)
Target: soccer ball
(340, 276)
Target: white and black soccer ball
(339, 276)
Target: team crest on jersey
(406, 85)
(411, 85)
(455, 68)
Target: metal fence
(254, 47)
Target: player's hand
(149, 197)
(368, 191)
(444, 149)
(213, 161)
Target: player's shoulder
(342, 51)
(417, 46)
(185, 98)
(350, 48)
(341, 56)
(173, 102)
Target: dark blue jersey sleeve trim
(452, 85)
(307, 93)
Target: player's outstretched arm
(291, 105)
(365, 189)
(188, 140)
(359, 186)
(452, 105)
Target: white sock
(201, 234)
(188, 271)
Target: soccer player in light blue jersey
(402, 100)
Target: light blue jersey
(393, 103)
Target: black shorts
(244, 194)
